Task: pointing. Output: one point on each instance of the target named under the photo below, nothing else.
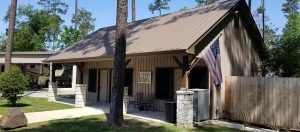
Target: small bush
(12, 84)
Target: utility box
(201, 104)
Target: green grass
(68, 96)
(30, 104)
(98, 123)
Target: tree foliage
(284, 51)
(85, 20)
(12, 84)
(159, 5)
(205, 2)
(70, 36)
(54, 7)
(35, 29)
(290, 7)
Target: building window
(164, 84)
(32, 66)
(92, 80)
(45, 65)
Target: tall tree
(290, 7)
(159, 5)
(116, 105)
(76, 14)
(10, 38)
(263, 17)
(55, 8)
(250, 4)
(205, 2)
(133, 10)
(85, 21)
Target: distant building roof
(31, 57)
(31, 53)
(172, 32)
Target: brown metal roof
(171, 32)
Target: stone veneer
(184, 109)
(125, 100)
(80, 95)
(52, 91)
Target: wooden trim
(177, 61)
(127, 62)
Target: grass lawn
(98, 123)
(68, 96)
(30, 104)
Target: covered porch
(151, 81)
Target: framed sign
(145, 77)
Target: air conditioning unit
(201, 104)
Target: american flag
(212, 59)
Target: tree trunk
(116, 105)
(76, 14)
(10, 38)
(263, 19)
(249, 4)
(133, 10)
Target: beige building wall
(139, 64)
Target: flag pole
(191, 68)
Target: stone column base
(184, 109)
(80, 95)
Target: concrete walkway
(64, 114)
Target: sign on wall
(145, 77)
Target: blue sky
(105, 10)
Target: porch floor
(147, 115)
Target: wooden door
(104, 85)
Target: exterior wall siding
(140, 64)
(238, 58)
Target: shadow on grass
(99, 123)
(17, 105)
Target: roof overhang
(136, 55)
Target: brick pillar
(52, 91)
(80, 95)
(184, 108)
(125, 100)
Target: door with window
(103, 85)
(164, 84)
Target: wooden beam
(127, 62)
(177, 61)
(81, 66)
(185, 72)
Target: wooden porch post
(185, 72)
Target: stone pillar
(184, 108)
(125, 100)
(74, 76)
(52, 91)
(80, 95)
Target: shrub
(12, 84)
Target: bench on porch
(141, 102)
